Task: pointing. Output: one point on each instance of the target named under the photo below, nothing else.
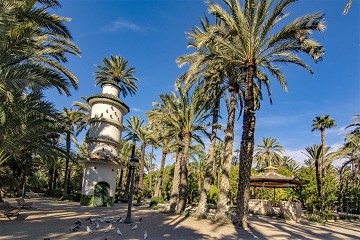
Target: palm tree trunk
(150, 170)
(322, 170)
(141, 174)
(176, 179)
(201, 208)
(246, 148)
(229, 142)
(120, 181)
(66, 180)
(318, 179)
(184, 175)
(161, 172)
(127, 185)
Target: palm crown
(115, 72)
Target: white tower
(103, 137)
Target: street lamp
(134, 162)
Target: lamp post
(134, 162)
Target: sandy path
(53, 219)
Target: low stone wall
(260, 206)
(291, 210)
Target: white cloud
(137, 110)
(123, 25)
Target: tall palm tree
(268, 152)
(217, 76)
(314, 153)
(258, 42)
(33, 46)
(321, 123)
(185, 117)
(30, 128)
(136, 128)
(189, 115)
(159, 116)
(115, 72)
(72, 119)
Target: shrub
(315, 217)
(156, 200)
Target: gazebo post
(274, 194)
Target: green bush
(154, 201)
(284, 216)
(214, 194)
(315, 217)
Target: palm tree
(314, 153)
(217, 76)
(30, 128)
(159, 116)
(166, 143)
(33, 47)
(255, 43)
(136, 129)
(184, 116)
(189, 116)
(321, 123)
(268, 152)
(347, 7)
(72, 119)
(84, 112)
(115, 72)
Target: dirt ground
(54, 219)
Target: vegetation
(234, 58)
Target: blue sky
(151, 35)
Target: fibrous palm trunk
(161, 172)
(201, 208)
(127, 185)
(246, 148)
(184, 175)
(141, 173)
(322, 172)
(66, 180)
(229, 142)
(176, 179)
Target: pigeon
(108, 220)
(92, 220)
(119, 220)
(76, 228)
(145, 235)
(88, 229)
(134, 227)
(119, 232)
(78, 222)
(111, 226)
(97, 226)
(140, 219)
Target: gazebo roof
(272, 179)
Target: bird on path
(97, 226)
(111, 226)
(88, 229)
(78, 222)
(76, 228)
(140, 219)
(119, 220)
(134, 227)
(145, 235)
(119, 232)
